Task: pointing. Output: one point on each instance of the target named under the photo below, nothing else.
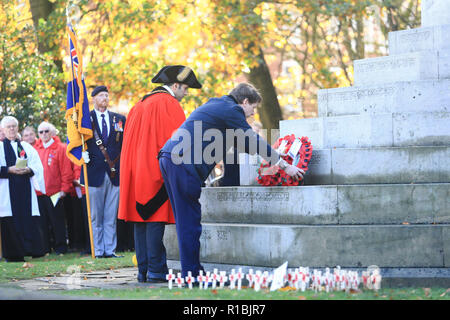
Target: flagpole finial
(73, 14)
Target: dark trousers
(53, 224)
(125, 236)
(184, 191)
(150, 250)
(85, 223)
(75, 222)
(12, 240)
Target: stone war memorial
(377, 191)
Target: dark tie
(104, 129)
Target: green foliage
(31, 86)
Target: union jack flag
(77, 110)
(73, 54)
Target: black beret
(98, 89)
(177, 74)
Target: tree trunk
(270, 111)
(41, 9)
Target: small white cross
(250, 278)
(206, 280)
(232, 277)
(190, 279)
(222, 278)
(215, 277)
(170, 277)
(179, 280)
(239, 277)
(258, 280)
(200, 279)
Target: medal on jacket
(50, 156)
(118, 127)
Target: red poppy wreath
(295, 151)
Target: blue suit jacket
(216, 116)
(97, 166)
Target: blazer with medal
(98, 165)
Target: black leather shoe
(141, 277)
(156, 280)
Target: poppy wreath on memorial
(274, 176)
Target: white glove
(294, 172)
(85, 156)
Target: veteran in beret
(103, 170)
(143, 196)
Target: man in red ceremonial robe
(143, 197)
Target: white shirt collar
(169, 89)
(99, 114)
(48, 143)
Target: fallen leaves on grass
(287, 288)
(27, 265)
(354, 291)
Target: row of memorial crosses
(300, 279)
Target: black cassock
(21, 233)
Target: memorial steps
(386, 98)
(412, 66)
(373, 130)
(377, 191)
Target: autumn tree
(288, 48)
(29, 81)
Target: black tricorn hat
(180, 74)
(98, 89)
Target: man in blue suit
(103, 163)
(192, 152)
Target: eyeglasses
(42, 131)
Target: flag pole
(88, 203)
(86, 184)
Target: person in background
(21, 175)
(73, 211)
(29, 135)
(58, 183)
(102, 159)
(2, 134)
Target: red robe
(149, 125)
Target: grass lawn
(250, 294)
(53, 265)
